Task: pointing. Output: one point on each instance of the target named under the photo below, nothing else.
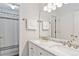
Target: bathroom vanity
(50, 48)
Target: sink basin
(48, 43)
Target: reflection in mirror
(64, 26)
(45, 26)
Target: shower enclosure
(9, 18)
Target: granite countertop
(56, 48)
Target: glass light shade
(49, 5)
(53, 7)
(59, 5)
(45, 8)
(49, 10)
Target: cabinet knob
(31, 48)
(72, 35)
(40, 53)
(76, 36)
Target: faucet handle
(72, 35)
(76, 36)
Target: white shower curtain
(9, 39)
(9, 34)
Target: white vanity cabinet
(35, 50)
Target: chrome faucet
(72, 43)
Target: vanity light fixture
(52, 6)
(49, 10)
(45, 8)
(59, 4)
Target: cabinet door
(43, 52)
(33, 50)
(37, 51)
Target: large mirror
(63, 21)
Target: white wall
(27, 11)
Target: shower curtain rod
(9, 18)
(8, 13)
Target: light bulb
(49, 10)
(45, 8)
(53, 7)
(59, 5)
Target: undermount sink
(54, 42)
(48, 43)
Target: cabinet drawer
(44, 53)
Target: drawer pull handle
(31, 48)
(40, 53)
